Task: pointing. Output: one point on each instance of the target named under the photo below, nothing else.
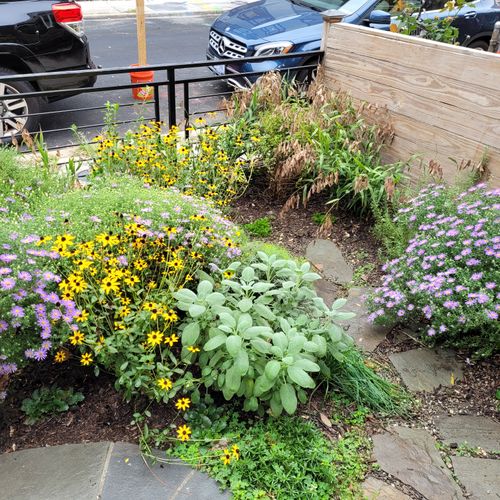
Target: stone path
(410, 455)
(104, 471)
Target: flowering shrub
(449, 274)
(263, 332)
(213, 164)
(113, 274)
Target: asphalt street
(113, 44)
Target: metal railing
(183, 96)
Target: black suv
(38, 36)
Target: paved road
(113, 44)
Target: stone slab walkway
(104, 471)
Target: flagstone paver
(480, 476)
(104, 471)
(365, 334)
(70, 471)
(326, 290)
(410, 455)
(474, 430)
(375, 489)
(427, 369)
(328, 259)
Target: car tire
(479, 45)
(14, 109)
(302, 75)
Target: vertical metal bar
(172, 118)
(186, 109)
(157, 102)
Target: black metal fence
(180, 92)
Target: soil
(104, 415)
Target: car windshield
(322, 5)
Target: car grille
(225, 47)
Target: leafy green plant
(263, 332)
(286, 459)
(259, 227)
(49, 401)
(320, 218)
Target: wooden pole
(141, 33)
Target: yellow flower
(86, 359)
(183, 432)
(119, 325)
(228, 274)
(226, 457)
(61, 356)
(64, 240)
(83, 316)
(171, 340)
(140, 264)
(183, 403)
(107, 239)
(42, 240)
(199, 121)
(164, 383)
(124, 311)
(110, 284)
(193, 348)
(155, 338)
(236, 451)
(77, 338)
(132, 280)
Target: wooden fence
(444, 101)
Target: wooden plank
(399, 96)
(463, 95)
(472, 66)
(141, 33)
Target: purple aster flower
(8, 284)
(490, 285)
(17, 312)
(450, 304)
(473, 262)
(24, 276)
(476, 276)
(492, 314)
(3, 325)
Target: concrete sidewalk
(99, 471)
(107, 8)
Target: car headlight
(273, 48)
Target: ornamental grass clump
(213, 163)
(447, 282)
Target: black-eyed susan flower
(183, 403)
(183, 432)
(171, 340)
(193, 348)
(109, 285)
(235, 451)
(155, 338)
(61, 356)
(164, 383)
(77, 338)
(82, 316)
(226, 457)
(86, 359)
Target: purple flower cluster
(448, 276)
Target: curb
(97, 15)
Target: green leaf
(296, 344)
(242, 362)
(215, 299)
(196, 310)
(344, 316)
(264, 311)
(233, 379)
(311, 346)
(248, 274)
(307, 365)
(233, 345)
(214, 342)
(244, 305)
(300, 377)
(251, 404)
(288, 398)
(309, 277)
(336, 333)
(275, 404)
(339, 303)
(280, 340)
(227, 320)
(255, 331)
(204, 288)
(244, 322)
(185, 295)
(191, 333)
(262, 287)
(261, 346)
(272, 369)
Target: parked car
(39, 36)
(271, 27)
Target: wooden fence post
(330, 17)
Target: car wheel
(479, 45)
(302, 76)
(13, 111)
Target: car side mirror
(379, 19)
